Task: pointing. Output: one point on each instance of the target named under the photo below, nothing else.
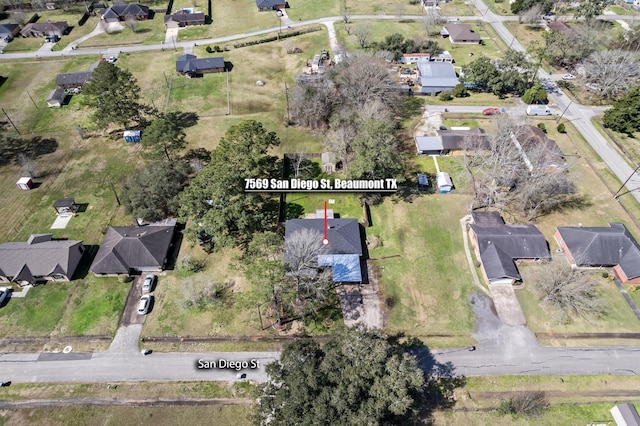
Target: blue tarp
(344, 267)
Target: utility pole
(174, 43)
(565, 110)
(286, 94)
(113, 188)
(34, 102)
(7, 115)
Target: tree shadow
(183, 119)
(294, 210)
(32, 148)
(441, 380)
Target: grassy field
(628, 147)
(572, 398)
(149, 31)
(201, 415)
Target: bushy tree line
(512, 74)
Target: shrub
(189, 266)
(217, 48)
(459, 91)
(446, 96)
(561, 128)
(209, 49)
(125, 278)
(542, 127)
(527, 404)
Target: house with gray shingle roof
(612, 246)
(133, 249)
(125, 12)
(498, 245)
(266, 5)
(40, 258)
(71, 80)
(460, 34)
(343, 252)
(183, 18)
(191, 64)
(45, 29)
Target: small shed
(625, 415)
(444, 182)
(423, 181)
(328, 162)
(56, 98)
(132, 136)
(65, 206)
(25, 183)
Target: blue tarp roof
(344, 267)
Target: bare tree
(568, 292)
(528, 404)
(362, 33)
(132, 24)
(431, 20)
(532, 16)
(344, 11)
(613, 70)
(312, 105)
(364, 79)
(340, 139)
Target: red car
(491, 111)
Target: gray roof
(64, 202)
(8, 28)
(122, 10)
(190, 63)
(500, 244)
(602, 246)
(344, 249)
(531, 138)
(126, 248)
(343, 234)
(269, 3)
(56, 95)
(460, 32)
(46, 26)
(483, 218)
(625, 414)
(457, 139)
(428, 143)
(39, 256)
(73, 78)
(182, 16)
(437, 74)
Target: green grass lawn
(89, 306)
(199, 415)
(151, 31)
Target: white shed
(444, 182)
(625, 415)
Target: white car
(568, 77)
(144, 304)
(112, 59)
(147, 285)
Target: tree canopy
(216, 197)
(624, 116)
(152, 193)
(163, 138)
(358, 377)
(511, 74)
(115, 95)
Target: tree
(152, 193)
(375, 151)
(459, 91)
(163, 138)
(480, 73)
(312, 105)
(535, 95)
(132, 24)
(527, 404)
(569, 293)
(532, 15)
(216, 197)
(344, 11)
(362, 33)
(521, 5)
(358, 377)
(589, 9)
(624, 116)
(431, 20)
(613, 70)
(364, 79)
(115, 95)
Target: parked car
(491, 111)
(4, 292)
(568, 77)
(149, 281)
(279, 12)
(538, 110)
(112, 59)
(144, 304)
